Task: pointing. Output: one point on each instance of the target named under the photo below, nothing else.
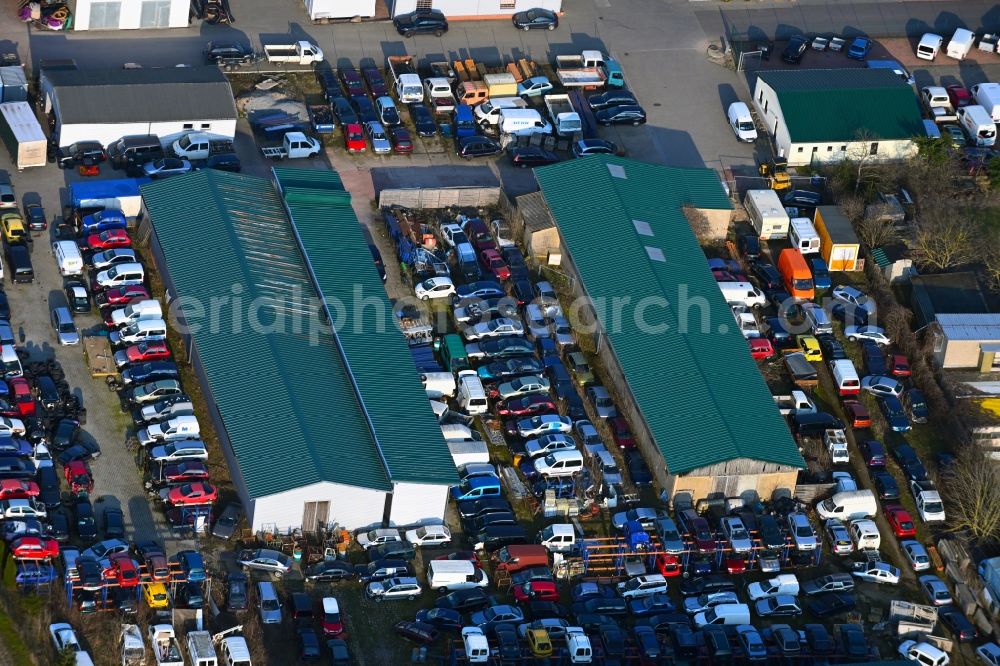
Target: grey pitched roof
(141, 95)
(983, 327)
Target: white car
(851, 296)
(109, 258)
(543, 425)
(558, 464)
(742, 123)
(923, 653)
(376, 134)
(882, 386)
(534, 87)
(494, 328)
(63, 638)
(22, 509)
(876, 572)
(527, 385)
(643, 586)
(375, 537)
(916, 555)
(547, 444)
(435, 287)
(707, 601)
(11, 427)
(873, 333)
(989, 654)
(394, 588)
(429, 536)
(453, 235)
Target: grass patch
(19, 652)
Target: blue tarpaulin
(94, 190)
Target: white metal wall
(350, 506)
(320, 9)
(802, 154)
(167, 131)
(418, 503)
(455, 8)
(130, 14)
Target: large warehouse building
(310, 420)
(677, 365)
(106, 104)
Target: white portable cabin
(767, 214)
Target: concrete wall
(130, 14)
(442, 197)
(417, 503)
(454, 9)
(167, 131)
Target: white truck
(467, 452)
(404, 75)
(836, 443)
(294, 145)
(988, 96)
(795, 403)
(200, 146)
(132, 648)
(295, 53)
(564, 117)
(438, 91)
(937, 103)
(166, 650)
(200, 649)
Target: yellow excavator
(776, 173)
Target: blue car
(150, 371)
(192, 564)
(820, 273)
(481, 289)
(30, 573)
(476, 487)
(109, 218)
(859, 48)
(894, 413)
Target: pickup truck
(166, 649)
(796, 403)
(937, 103)
(297, 53)
(199, 146)
(404, 75)
(438, 90)
(564, 117)
(293, 146)
(836, 443)
(590, 69)
(321, 118)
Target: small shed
(838, 243)
(894, 262)
(534, 224)
(967, 341)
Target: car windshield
(745, 126)
(803, 531)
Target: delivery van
(796, 275)
(451, 575)
(743, 293)
(471, 395)
(723, 614)
(848, 505)
(845, 376)
(523, 122)
(929, 45)
(802, 235)
(988, 96)
(978, 125)
(960, 44)
(488, 113)
(767, 214)
(68, 258)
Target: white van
(488, 113)
(477, 647)
(144, 330)
(767, 214)
(802, 235)
(521, 122)
(120, 275)
(235, 651)
(451, 575)
(772, 587)
(742, 122)
(147, 308)
(456, 432)
(929, 45)
(848, 505)
(865, 534)
(978, 125)
(743, 293)
(68, 258)
(438, 384)
(924, 653)
(845, 376)
(558, 538)
(723, 614)
(960, 44)
(988, 96)
(471, 395)
(559, 463)
(200, 649)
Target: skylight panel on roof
(617, 171)
(642, 228)
(655, 253)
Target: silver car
(65, 327)
(375, 537)
(538, 323)
(589, 437)
(802, 531)
(376, 134)
(561, 331)
(494, 328)
(704, 602)
(264, 559)
(602, 402)
(529, 384)
(109, 258)
(737, 534)
(394, 588)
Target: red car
(734, 564)
(668, 565)
(899, 520)
(34, 548)
(147, 351)
(190, 494)
(526, 405)
(959, 96)
(492, 262)
(900, 365)
(20, 389)
(621, 433)
(190, 470)
(331, 622)
(536, 590)
(124, 570)
(401, 141)
(354, 138)
(857, 414)
(122, 295)
(18, 489)
(761, 349)
(78, 477)
(479, 234)
(109, 239)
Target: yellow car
(155, 595)
(13, 227)
(810, 347)
(540, 643)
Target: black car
(384, 569)
(190, 595)
(114, 523)
(86, 524)
(4, 306)
(330, 571)
(86, 153)
(19, 263)
(610, 606)
(874, 358)
(637, 468)
(849, 314)
(693, 587)
(535, 19)
(522, 290)
(801, 198)
(421, 22)
(627, 114)
(586, 147)
(224, 162)
(48, 486)
(472, 509)
(423, 121)
(309, 646)
(352, 81)
(329, 83)
(831, 603)
(831, 347)
(768, 276)
(749, 246)
(77, 296)
(64, 434)
(541, 610)
(47, 392)
(795, 50)
(531, 156)
(771, 535)
(150, 371)
(59, 526)
(418, 632)
(819, 639)
(885, 485)
(36, 217)
(396, 550)
(959, 625)
(85, 450)
(873, 453)
(477, 146)
(227, 54)
(853, 641)
(617, 97)
(237, 595)
(365, 108)
(344, 111)
(442, 619)
(465, 601)
(508, 646)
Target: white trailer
(23, 135)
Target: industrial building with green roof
(677, 365)
(310, 418)
(820, 116)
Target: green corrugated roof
(237, 240)
(837, 104)
(700, 392)
(405, 428)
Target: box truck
(22, 135)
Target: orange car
(857, 414)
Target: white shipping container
(23, 135)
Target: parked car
(621, 115)
(795, 49)
(421, 22)
(164, 167)
(535, 19)
(264, 559)
(477, 146)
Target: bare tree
(863, 161)
(945, 238)
(972, 488)
(873, 231)
(989, 254)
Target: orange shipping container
(838, 244)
